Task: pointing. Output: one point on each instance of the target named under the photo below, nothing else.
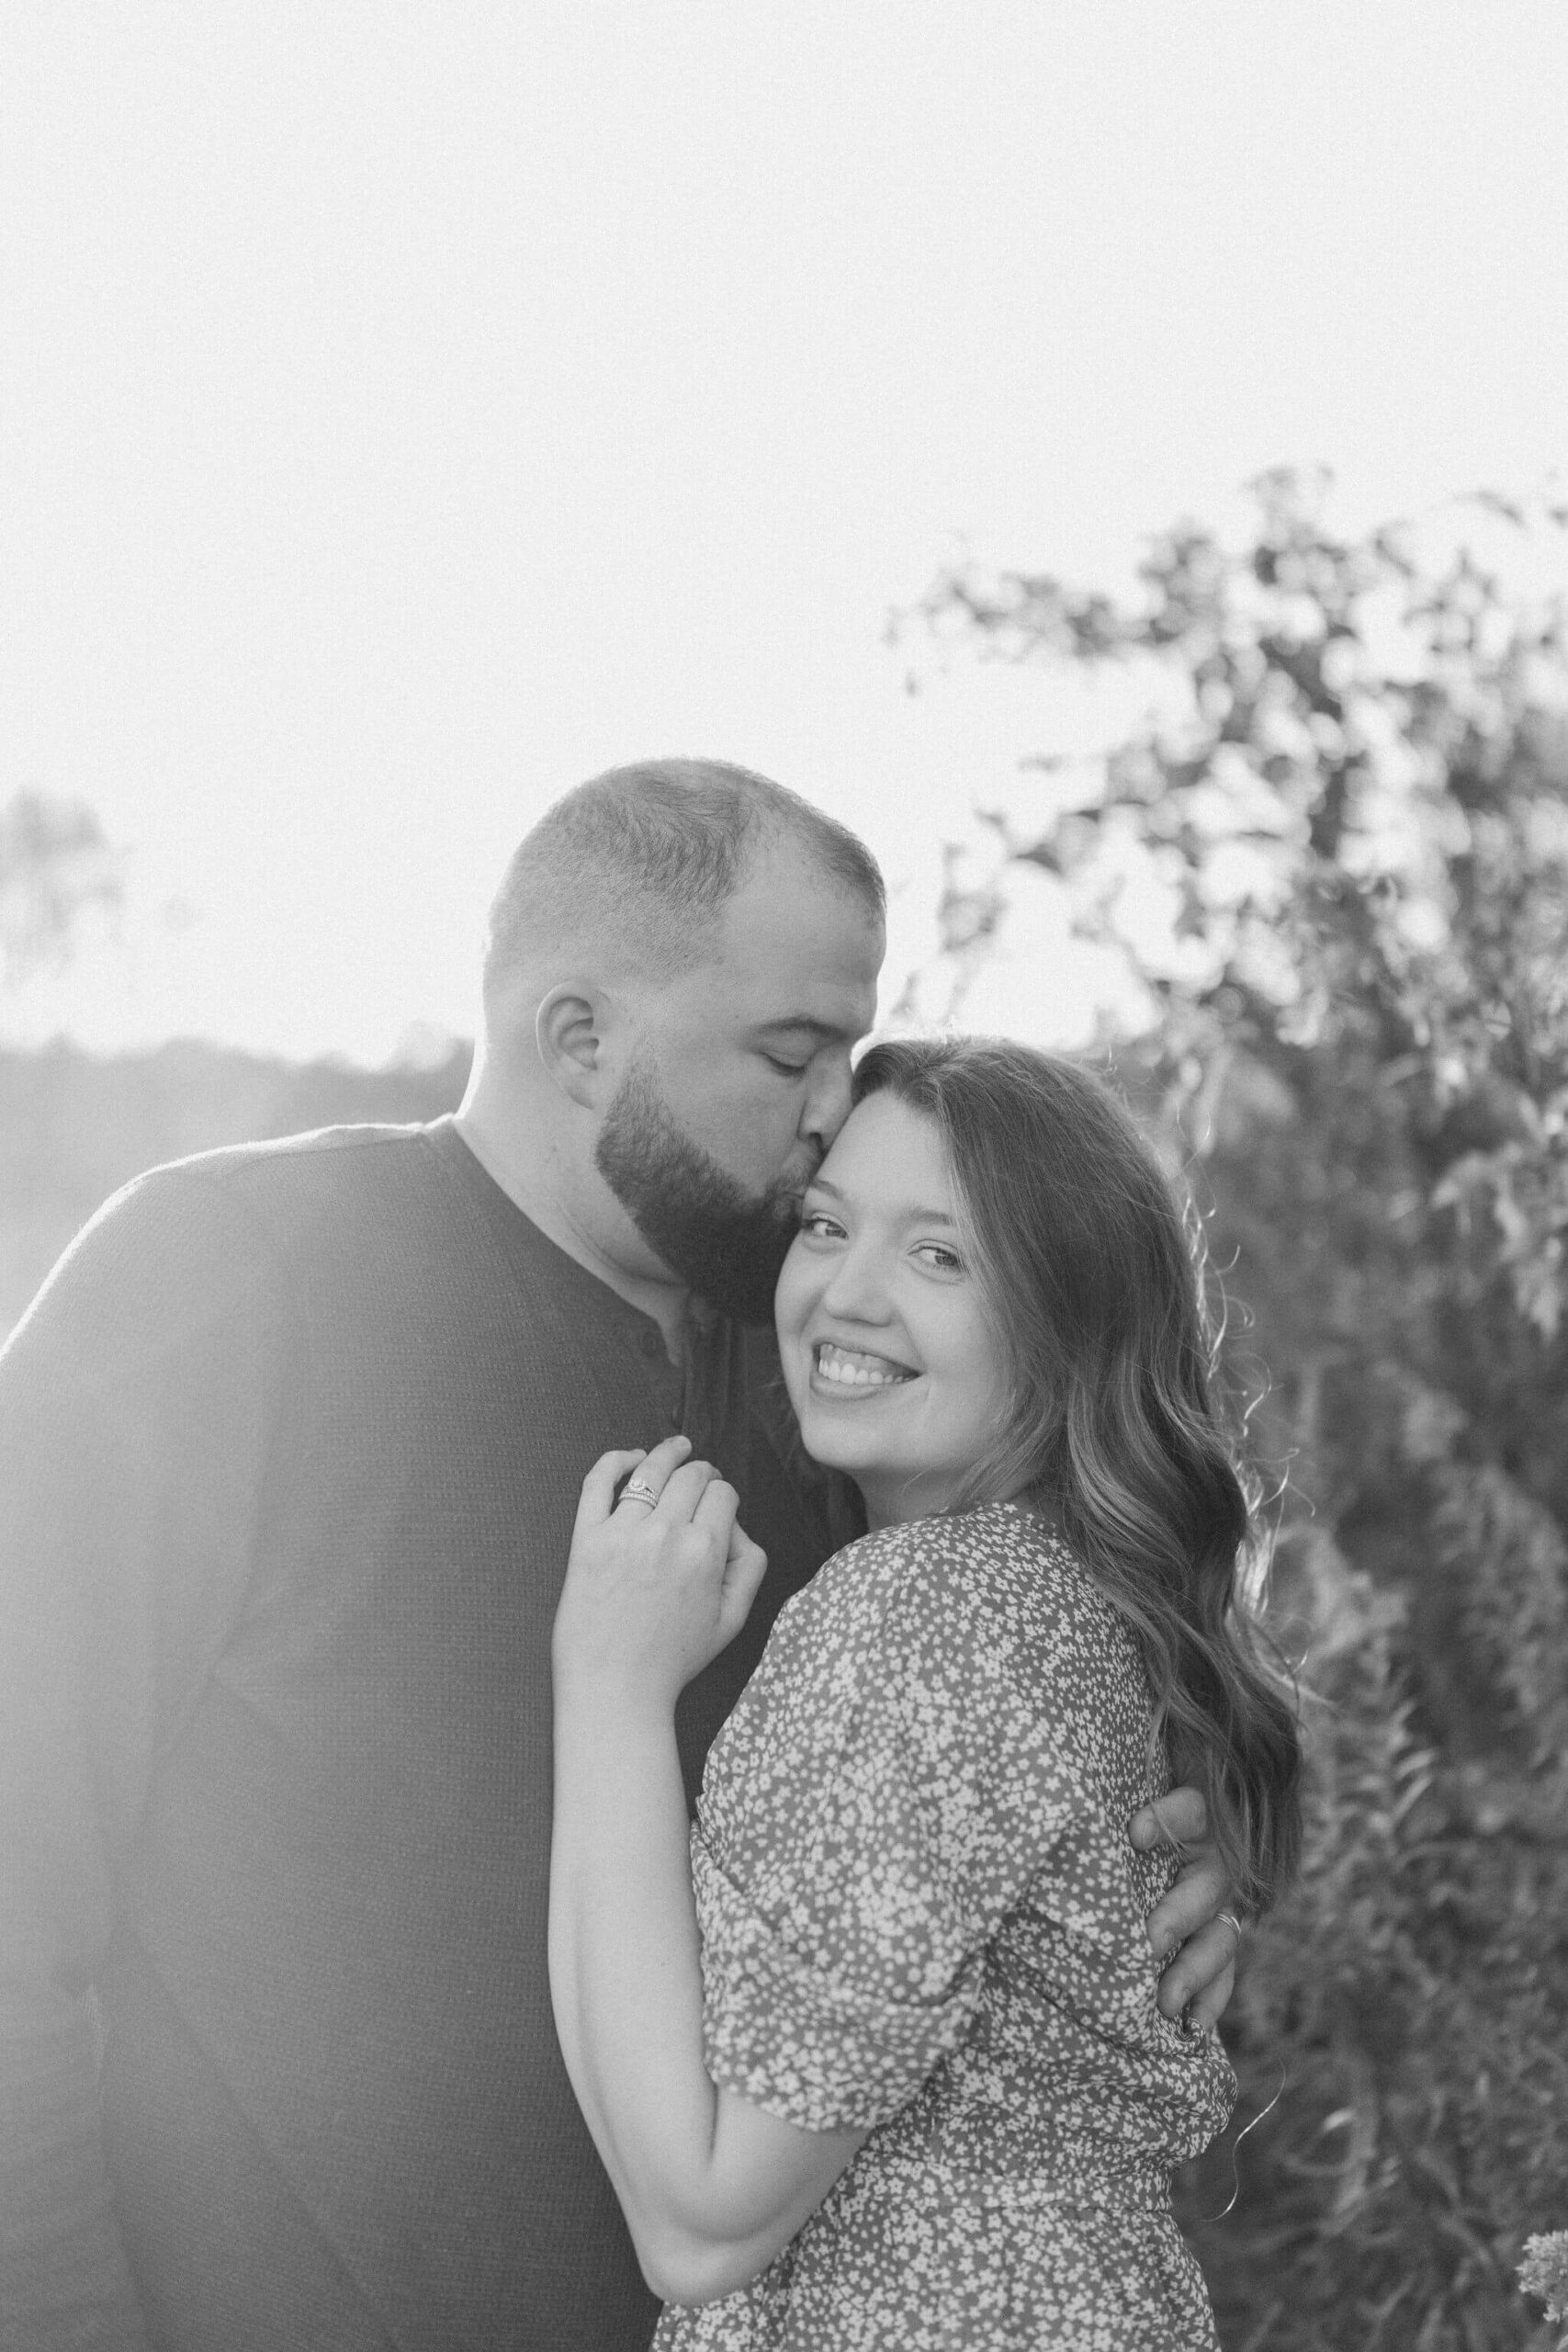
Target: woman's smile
(849, 1374)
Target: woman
(876, 2062)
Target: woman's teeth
(848, 1368)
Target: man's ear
(569, 1029)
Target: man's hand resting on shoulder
(1191, 1929)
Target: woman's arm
(712, 2187)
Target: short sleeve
(890, 1785)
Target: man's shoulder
(246, 1221)
(283, 1178)
(321, 1155)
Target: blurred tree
(1336, 855)
(55, 864)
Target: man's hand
(1191, 1922)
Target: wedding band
(1236, 1923)
(637, 1490)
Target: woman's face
(892, 1366)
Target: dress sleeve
(887, 1790)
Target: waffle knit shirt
(291, 1447)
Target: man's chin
(726, 1246)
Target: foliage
(1544, 2272)
(55, 865)
(1347, 809)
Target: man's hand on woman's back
(1190, 1927)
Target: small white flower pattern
(920, 1911)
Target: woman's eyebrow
(911, 1216)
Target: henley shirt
(290, 1448)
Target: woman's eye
(786, 1070)
(937, 1254)
(819, 1224)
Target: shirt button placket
(666, 1380)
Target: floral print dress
(920, 1912)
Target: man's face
(739, 1079)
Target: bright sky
(406, 411)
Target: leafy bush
(1353, 798)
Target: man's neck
(528, 1185)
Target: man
(290, 1446)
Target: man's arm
(134, 1411)
(1191, 1929)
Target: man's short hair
(648, 855)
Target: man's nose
(828, 1101)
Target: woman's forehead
(888, 1143)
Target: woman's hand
(653, 1590)
(712, 2188)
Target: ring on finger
(637, 1490)
(1231, 1917)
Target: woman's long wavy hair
(1115, 1429)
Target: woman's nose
(858, 1291)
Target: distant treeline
(74, 1126)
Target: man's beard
(728, 1243)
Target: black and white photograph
(783, 1176)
